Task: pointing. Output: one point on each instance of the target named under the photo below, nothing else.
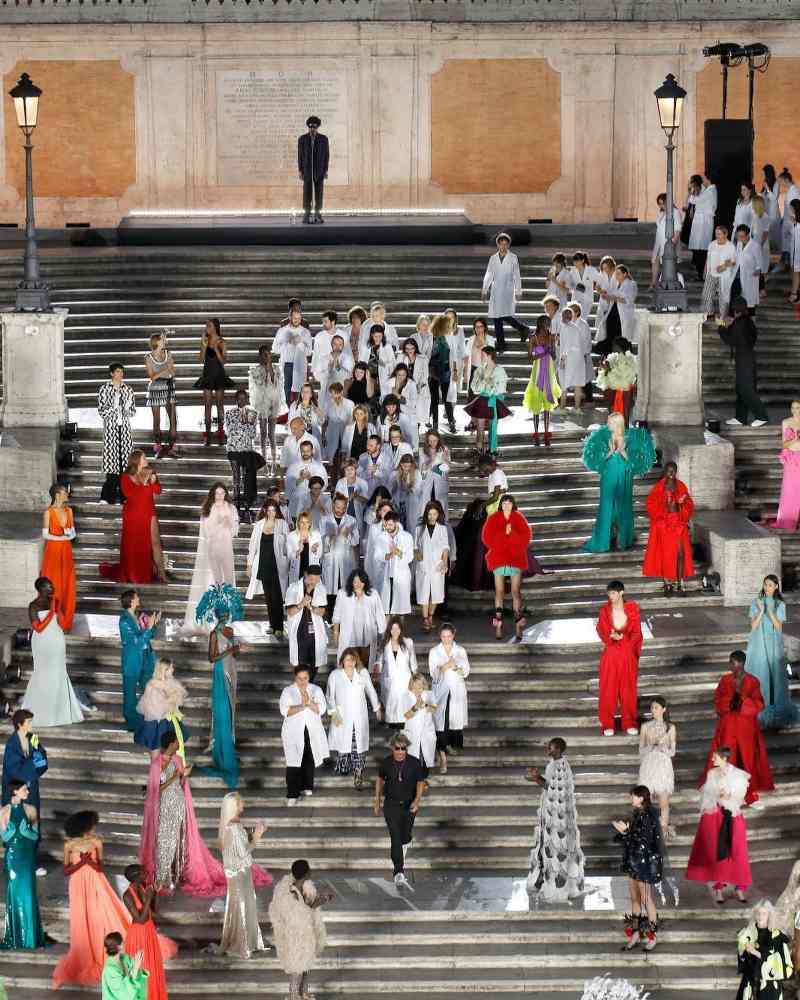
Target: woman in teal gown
(766, 657)
(220, 606)
(618, 455)
(19, 833)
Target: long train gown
(241, 934)
(144, 937)
(789, 507)
(556, 859)
(94, 911)
(58, 565)
(615, 512)
(223, 714)
(766, 660)
(23, 924)
(136, 544)
(49, 694)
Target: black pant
(499, 334)
(449, 737)
(307, 651)
(439, 389)
(298, 779)
(699, 261)
(747, 398)
(245, 481)
(110, 491)
(274, 602)
(400, 821)
(316, 187)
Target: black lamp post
(670, 296)
(33, 295)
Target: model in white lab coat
(759, 231)
(373, 526)
(623, 292)
(557, 284)
(302, 705)
(791, 193)
(572, 360)
(340, 540)
(349, 689)
(449, 668)
(704, 199)
(396, 449)
(743, 213)
(378, 355)
(373, 466)
(457, 342)
(582, 273)
(604, 283)
(303, 535)
(313, 500)
(298, 474)
(308, 593)
(423, 337)
(404, 389)
(358, 617)
(297, 436)
(394, 553)
(720, 269)
(434, 467)
(586, 336)
(338, 413)
(418, 707)
(661, 236)
(748, 267)
(771, 193)
(307, 407)
(398, 664)
(293, 345)
(377, 315)
(432, 555)
(268, 519)
(355, 489)
(360, 422)
(407, 493)
(502, 282)
(418, 367)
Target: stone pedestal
(33, 369)
(741, 552)
(27, 467)
(705, 463)
(20, 558)
(670, 389)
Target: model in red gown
(142, 935)
(58, 564)
(140, 555)
(619, 661)
(738, 701)
(669, 549)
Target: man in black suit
(312, 162)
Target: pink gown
(789, 507)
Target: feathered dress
(556, 861)
(298, 929)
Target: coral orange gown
(144, 938)
(94, 911)
(58, 566)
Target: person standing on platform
(669, 548)
(398, 792)
(789, 505)
(703, 202)
(620, 630)
(738, 703)
(502, 285)
(58, 564)
(116, 404)
(748, 268)
(305, 745)
(24, 759)
(19, 832)
(741, 337)
(306, 604)
(313, 157)
(766, 656)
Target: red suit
(619, 667)
(669, 532)
(506, 548)
(136, 545)
(738, 729)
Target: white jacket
(396, 671)
(294, 727)
(279, 534)
(450, 683)
(347, 709)
(295, 593)
(338, 559)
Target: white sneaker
(291, 802)
(758, 423)
(41, 872)
(307, 792)
(608, 732)
(733, 422)
(632, 732)
(402, 882)
(757, 805)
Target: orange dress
(59, 567)
(94, 911)
(144, 938)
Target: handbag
(38, 755)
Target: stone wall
(507, 121)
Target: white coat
(705, 207)
(360, 619)
(393, 456)
(627, 291)
(420, 376)
(297, 485)
(375, 470)
(605, 283)
(585, 299)
(502, 282)
(347, 709)
(385, 364)
(311, 416)
(408, 502)
(743, 216)
(338, 560)
(396, 570)
(337, 418)
(293, 548)
(302, 502)
(576, 343)
(389, 331)
(335, 369)
(357, 489)
(279, 534)
(347, 438)
(431, 567)
(794, 247)
(420, 728)
(396, 671)
(449, 683)
(759, 234)
(290, 452)
(286, 340)
(719, 254)
(661, 231)
(294, 727)
(792, 192)
(748, 267)
(435, 472)
(295, 593)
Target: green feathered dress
(615, 512)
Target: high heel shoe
(497, 623)
(548, 437)
(536, 438)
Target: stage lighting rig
(732, 54)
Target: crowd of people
(355, 530)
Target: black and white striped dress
(116, 405)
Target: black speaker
(729, 161)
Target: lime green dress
(543, 391)
(614, 518)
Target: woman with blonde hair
(442, 372)
(418, 709)
(241, 934)
(303, 547)
(759, 234)
(160, 367)
(423, 335)
(765, 956)
(159, 707)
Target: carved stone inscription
(261, 113)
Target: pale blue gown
(766, 660)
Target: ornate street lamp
(670, 296)
(33, 295)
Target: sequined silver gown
(170, 845)
(241, 935)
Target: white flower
(606, 988)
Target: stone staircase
(477, 822)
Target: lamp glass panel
(26, 109)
